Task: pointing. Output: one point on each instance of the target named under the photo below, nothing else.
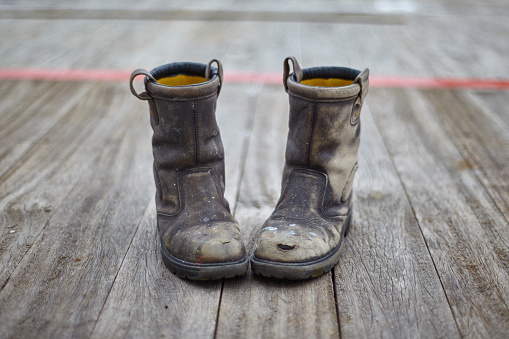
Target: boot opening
(182, 80)
(331, 82)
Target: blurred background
(441, 38)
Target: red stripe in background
(246, 77)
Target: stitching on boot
(195, 132)
(184, 99)
(323, 100)
(310, 137)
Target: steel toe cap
(207, 243)
(289, 241)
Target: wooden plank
(464, 231)
(386, 283)
(34, 189)
(295, 9)
(256, 307)
(25, 121)
(15, 94)
(479, 136)
(146, 300)
(440, 39)
(494, 103)
(60, 286)
(171, 41)
(385, 50)
(253, 14)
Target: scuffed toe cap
(291, 242)
(209, 243)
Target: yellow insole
(332, 82)
(182, 80)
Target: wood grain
(31, 112)
(386, 283)
(494, 103)
(481, 138)
(148, 301)
(468, 46)
(465, 232)
(36, 187)
(61, 283)
(252, 14)
(385, 50)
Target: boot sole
(203, 271)
(300, 271)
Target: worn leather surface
(194, 218)
(321, 161)
(204, 231)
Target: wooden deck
(428, 255)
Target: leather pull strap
(208, 75)
(144, 95)
(297, 71)
(363, 80)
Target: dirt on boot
(200, 239)
(303, 236)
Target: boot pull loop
(363, 81)
(296, 70)
(219, 73)
(144, 95)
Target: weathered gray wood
(28, 117)
(202, 15)
(462, 46)
(479, 136)
(386, 284)
(34, 189)
(296, 10)
(257, 307)
(16, 95)
(385, 50)
(61, 284)
(464, 231)
(494, 103)
(146, 300)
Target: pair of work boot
(200, 239)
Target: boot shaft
(324, 128)
(200, 239)
(182, 100)
(302, 237)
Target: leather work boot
(200, 239)
(302, 237)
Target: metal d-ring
(143, 95)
